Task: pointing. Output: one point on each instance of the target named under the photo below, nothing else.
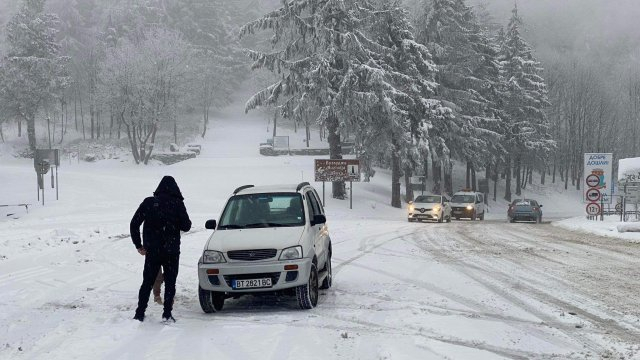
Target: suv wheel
(210, 301)
(308, 294)
(328, 279)
(473, 216)
(482, 216)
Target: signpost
(338, 170)
(598, 174)
(43, 160)
(598, 178)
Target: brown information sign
(337, 170)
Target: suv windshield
(463, 199)
(263, 210)
(428, 199)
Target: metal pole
(38, 184)
(323, 202)
(601, 209)
(57, 183)
(42, 190)
(350, 194)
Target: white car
(268, 239)
(429, 207)
(467, 204)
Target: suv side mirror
(541, 205)
(318, 219)
(210, 224)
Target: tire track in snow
(500, 276)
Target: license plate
(251, 283)
(457, 212)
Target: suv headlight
(436, 208)
(212, 257)
(469, 207)
(294, 252)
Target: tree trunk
(92, 116)
(62, 131)
(205, 115)
(407, 184)
(468, 177)
(84, 136)
(153, 140)
(31, 132)
(131, 135)
(19, 128)
(543, 176)
(335, 152)
(495, 181)
(1, 134)
(518, 176)
(507, 190)
(473, 178)
(395, 176)
(448, 177)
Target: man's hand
(142, 251)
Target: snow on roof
(630, 166)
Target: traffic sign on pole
(593, 195)
(593, 209)
(593, 180)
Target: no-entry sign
(593, 209)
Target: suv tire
(210, 301)
(308, 294)
(482, 216)
(328, 280)
(473, 216)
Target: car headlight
(294, 252)
(212, 257)
(436, 208)
(469, 207)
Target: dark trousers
(152, 264)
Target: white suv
(467, 204)
(268, 239)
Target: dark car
(526, 210)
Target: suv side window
(480, 199)
(317, 198)
(314, 208)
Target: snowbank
(610, 227)
(629, 166)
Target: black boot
(139, 316)
(167, 317)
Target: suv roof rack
(301, 185)
(241, 188)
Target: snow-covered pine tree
(528, 138)
(33, 73)
(468, 76)
(208, 25)
(322, 55)
(405, 86)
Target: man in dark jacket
(164, 216)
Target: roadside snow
(610, 227)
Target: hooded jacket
(164, 216)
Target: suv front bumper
(280, 279)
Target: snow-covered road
(402, 291)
